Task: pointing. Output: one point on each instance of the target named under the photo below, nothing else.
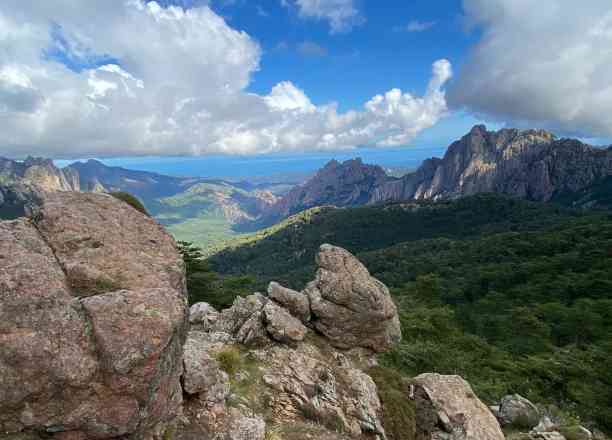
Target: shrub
(399, 418)
(229, 360)
(132, 201)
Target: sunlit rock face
(531, 164)
(93, 319)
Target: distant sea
(239, 167)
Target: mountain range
(527, 164)
(193, 209)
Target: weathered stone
(297, 303)
(96, 362)
(45, 345)
(245, 428)
(307, 383)
(545, 424)
(202, 374)
(518, 411)
(281, 325)
(350, 307)
(244, 320)
(460, 414)
(95, 234)
(552, 435)
(202, 316)
(137, 334)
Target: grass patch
(229, 360)
(399, 416)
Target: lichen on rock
(92, 321)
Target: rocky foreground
(97, 342)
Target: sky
(137, 78)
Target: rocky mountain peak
(38, 174)
(531, 164)
(348, 183)
(38, 161)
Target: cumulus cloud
(545, 63)
(342, 15)
(136, 78)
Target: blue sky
(378, 55)
(138, 78)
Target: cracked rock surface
(92, 320)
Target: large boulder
(448, 408)
(93, 319)
(517, 411)
(349, 306)
(104, 244)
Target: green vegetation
(204, 285)
(229, 360)
(131, 200)
(514, 296)
(209, 214)
(399, 418)
(597, 195)
(285, 252)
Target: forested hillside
(512, 295)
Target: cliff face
(38, 172)
(340, 184)
(22, 183)
(530, 164)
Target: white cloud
(546, 63)
(261, 11)
(179, 88)
(286, 96)
(309, 48)
(342, 15)
(415, 26)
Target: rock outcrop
(23, 183)
(92, 320)
(530, 164)
(447, 408)
(294, 380)
(518, 411)
(286, 358)
(344, 303)
(300, 360)
(349, 306)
